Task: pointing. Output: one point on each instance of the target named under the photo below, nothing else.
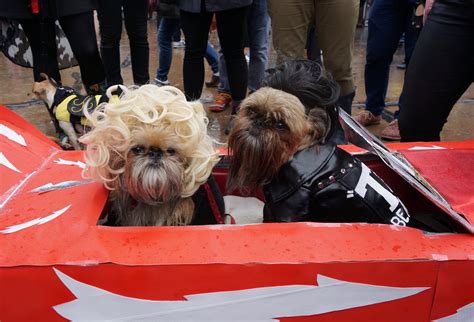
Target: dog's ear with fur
(39, 90)
(314, 87)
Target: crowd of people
(438, 35)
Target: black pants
(80, 32)
(440, 71)
(230, 27)
(110, 18)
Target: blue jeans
(212, 58)
(388, 20)
(168, 27)
(258, 26)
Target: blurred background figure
(169, 37)
(77, 21)
(196, 18)
(389, 20)
(440, 71)
(335, 22)
(135, 13)
(258, 28)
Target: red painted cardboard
(58, 229)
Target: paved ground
(17, 81)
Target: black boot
(345, 103)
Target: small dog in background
(67, 107)
(151, 149)
(281, 141)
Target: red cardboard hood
(49, 213)
(440, 171)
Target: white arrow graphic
(60, 185)
(463, 314)
(79, 164)
(4, 161)
(262, 304)
(34, 222)
(12, 135)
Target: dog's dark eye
(171, 151)
(138, 149)
(280, 126)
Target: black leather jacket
(327, 184)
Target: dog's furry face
(152, 150)
(154, 166)
(44, 91)
(270, 128)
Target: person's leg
(177, 35)
(290, 21)
(135, 12)
(386, 26)
(258, 24)
(212, 58)
(441, 69)
(196, 30)
(80, 31)
(224, 83)
(410, 34)
(110, 23)
(312, 45)
(392, 131)
(335, 25)
(223, 97)
(230, 26)
(166, 30)
(42, 39)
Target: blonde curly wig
(161, 107)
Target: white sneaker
(159, 82)
(179, 44)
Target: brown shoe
(391, 132)
(366, 118)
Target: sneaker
(366, 118)
(391, 132)
(221, 101)
(402, 66)
(214, 81)
(159, 82)
(179, 44)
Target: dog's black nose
(259, 124)
(155, 154)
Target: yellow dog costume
(70, 106)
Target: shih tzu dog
(281, 141)
(151, 149)
(66, 107)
